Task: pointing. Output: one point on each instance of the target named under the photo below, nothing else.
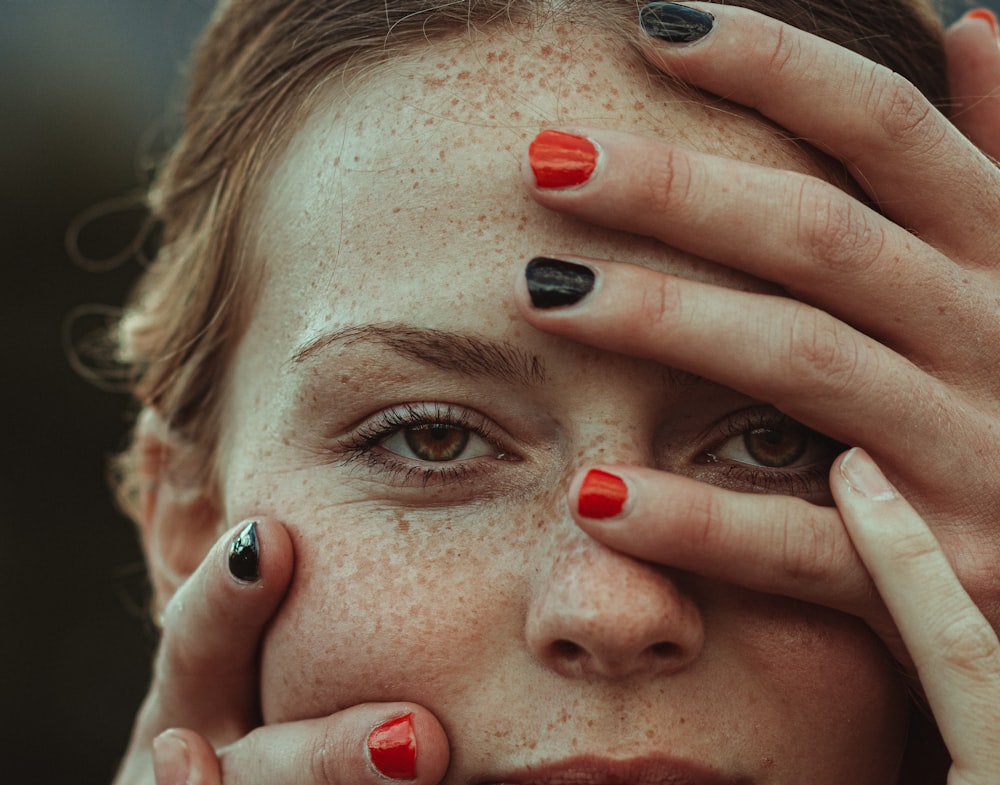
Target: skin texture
(396, 206)
(213, 622)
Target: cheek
(827, 676)
(389, 609)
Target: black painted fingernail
(553, 282)
(677, 24)
(244, 555)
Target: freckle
(463, 75)
(416, 185)
(397, 209)
(639, 106)
(547, 51)
(429, 121)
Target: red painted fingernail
(392, 747)
(986, 15)
(561, 160)
(602, 495)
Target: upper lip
(652, 770)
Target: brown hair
(252, 72)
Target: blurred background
(87, 89)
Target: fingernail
(244, 555)
(392, 748)
(864, 477)
(561, 160)
(676, 24)
(553, 282)
(986, 15)
(602, 495)
(171, 759)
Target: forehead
(414, 166)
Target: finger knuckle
(810, 552)
(967, 644)
(823, 354)
(707, 518)
(327, 752)
(838, 233)
(667, 181)
(905, 117)
(786, 57)
(660, 303)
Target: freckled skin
(480, 599)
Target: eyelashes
(420, 444)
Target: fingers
(902, 151)
(972, 46)
(821, 244)
(766, 543)
(206, 669)
(371, 744)
(814, 368)
(956, 652)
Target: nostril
(664, 649)
(567, 650)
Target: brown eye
(436, 441)
(776, 447)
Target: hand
(891, 346)
(198, 724)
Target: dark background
(86, 87)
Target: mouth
(652, 770)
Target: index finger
(899, 148)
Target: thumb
(370, 744)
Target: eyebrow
(464, 353)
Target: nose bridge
(598, 613)
(594, 612)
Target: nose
(598, 613)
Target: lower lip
(628, 773)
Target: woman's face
(440, 564)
